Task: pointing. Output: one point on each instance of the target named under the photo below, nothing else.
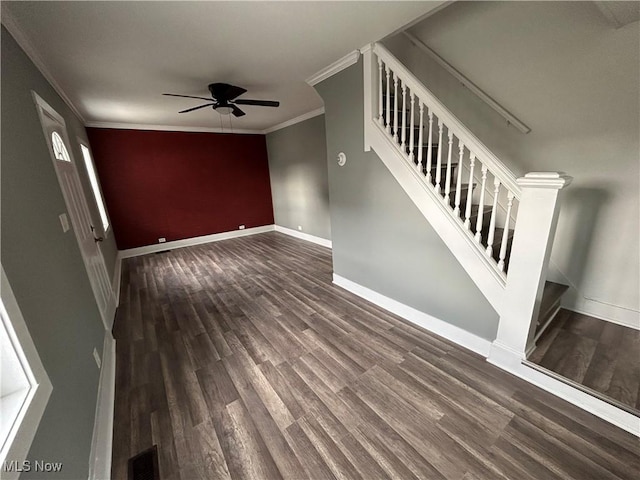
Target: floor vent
(162, 251)
(144, 466)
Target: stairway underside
(462, 244)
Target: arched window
(59, 150)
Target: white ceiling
(113, 60)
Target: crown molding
(337, 66)
(25, 44)
(170, 128)
(293, 121)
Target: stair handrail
(482, 152)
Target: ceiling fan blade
(261, 103)
(224, 91)
(196, 108)
(186, 96)
(237, 112)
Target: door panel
(53, 126)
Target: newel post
(534, 232)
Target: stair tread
(475, 209)
(550, 295)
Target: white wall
(563, 70)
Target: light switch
(64, 221)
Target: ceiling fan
(224, 100)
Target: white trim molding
(626, 317)
(170, 128)
(511, 361)
(455, 334)
(304, 236)
(23, 41)
(575, 301)
(15, 447)
(188, 242)
(117, 277)
(293, 121)
(336, 67)
(102, 440)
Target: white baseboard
(304, 236)
(455, 334)
(576, 302)
(605, 311)
(188, 242)
(117, 277)
(510, 361)
(102, 441)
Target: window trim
(85, 144)
(20, 436)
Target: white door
(88, 233)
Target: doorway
(88, 233)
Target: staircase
(498, 227)
(447, 176)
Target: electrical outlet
(162, 240)
(96, 357)
(300, 227)
(241, 227)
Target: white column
(534, 233)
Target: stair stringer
(449, 228)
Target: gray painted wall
(299, 182)
(574, 79)
(45, 268)
(380, 239)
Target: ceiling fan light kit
(223, 100)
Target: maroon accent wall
(181, 184)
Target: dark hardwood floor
(240, 359)
(599, 355)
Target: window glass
(95, 187)
(59, 150)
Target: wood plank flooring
(599, 355)
(241, 360)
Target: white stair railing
(447, 155)
(498, 227)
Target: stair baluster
(398, 119)
(479, 221)
(380, 96)
(494, 212)
(411, 123)
(447, 182)
(467, 213)
(404, 117)
(505, 233)
(395, 107)
(429, 146)
(439, 156)
(456, 206)
(387, 113)
(420, 136)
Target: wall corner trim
(304, 236)
(455, 334)
(293, 121)
(102, 441)
(25, 44)
(170, 128)
(117, 278)
(337, 66)
(188, 242)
